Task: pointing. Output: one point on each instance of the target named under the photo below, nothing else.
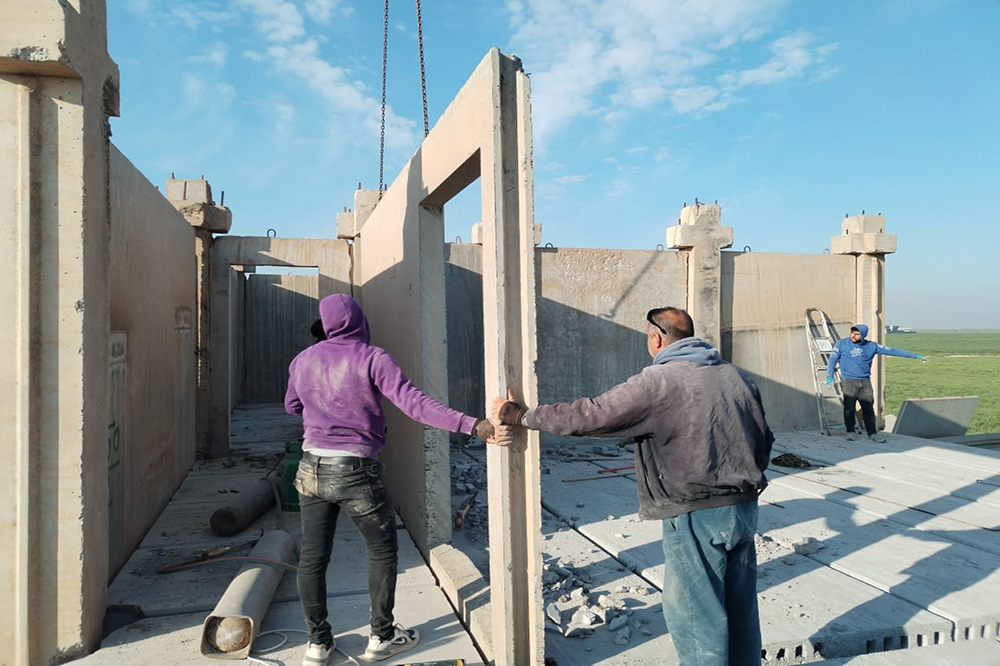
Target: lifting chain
(381, 144)
(423, 79)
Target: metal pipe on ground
(230, 629)
(235, 517)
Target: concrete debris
(618, 622)
(623, 636)
(553, 613)
(807, 546)
(585, 617)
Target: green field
(959, 363)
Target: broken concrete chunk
(585, 617)
(618, 622)
(807, 546)
(553, 613)
(623, 636)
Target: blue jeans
(356, 485)
(710, 586)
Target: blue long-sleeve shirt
(855, 358)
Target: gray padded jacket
(702, 437)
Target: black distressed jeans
(356, 485)
(855, 391)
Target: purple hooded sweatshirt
(337, 386)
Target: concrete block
(864, 224)
(935, 417)
(701, 215)
(364, 204)
(863, 243)
(345, 225)
(189, 189)
(205, 216)
(684, 236)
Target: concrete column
(700, 234)
(509, 332)
(864, 237)
(57, 88)
(193, 198)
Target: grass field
(959, 363)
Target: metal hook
(271, 233)
(659, 247)
(826, 250)
(549, 245)
(746, 248)
(458, 239)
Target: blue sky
(790, 113)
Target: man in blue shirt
(855, 356)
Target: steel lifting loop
(659, 247)
(826, 250)
(746, 248)
(458, 239)
(271, 233)
(549, 245)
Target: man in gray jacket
(702, 448)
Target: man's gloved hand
(504, 435)
(829, 380)
(484, 430)
(506, 410)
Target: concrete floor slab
(200, 588)
(966, 653)
(807, 610)
(924, 517)
(950, 579)
(176, 640)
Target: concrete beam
(477, 233)
(193, 199)
(700, 234)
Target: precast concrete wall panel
(153, 276)
(279, 312)
(763, 302)
(592, 315)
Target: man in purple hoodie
(702, 447)
(337, 385)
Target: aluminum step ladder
(829, 398)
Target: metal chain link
(423, 79)
(385, 60)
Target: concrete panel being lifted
(935, 417)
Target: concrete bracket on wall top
(863, 234)
(193, 199)
(699, 226)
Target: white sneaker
(318, 654)
(877, 438)
(401, 640)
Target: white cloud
(321, 10)
(613, 57)
(216, 54)
(278, 20)
(335, 85)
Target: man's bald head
(675, 324)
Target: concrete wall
(763, 302)
(335, 263)
(279, 311)
(591, 320)
(57, 88)
(592, 315)
(153, 305)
